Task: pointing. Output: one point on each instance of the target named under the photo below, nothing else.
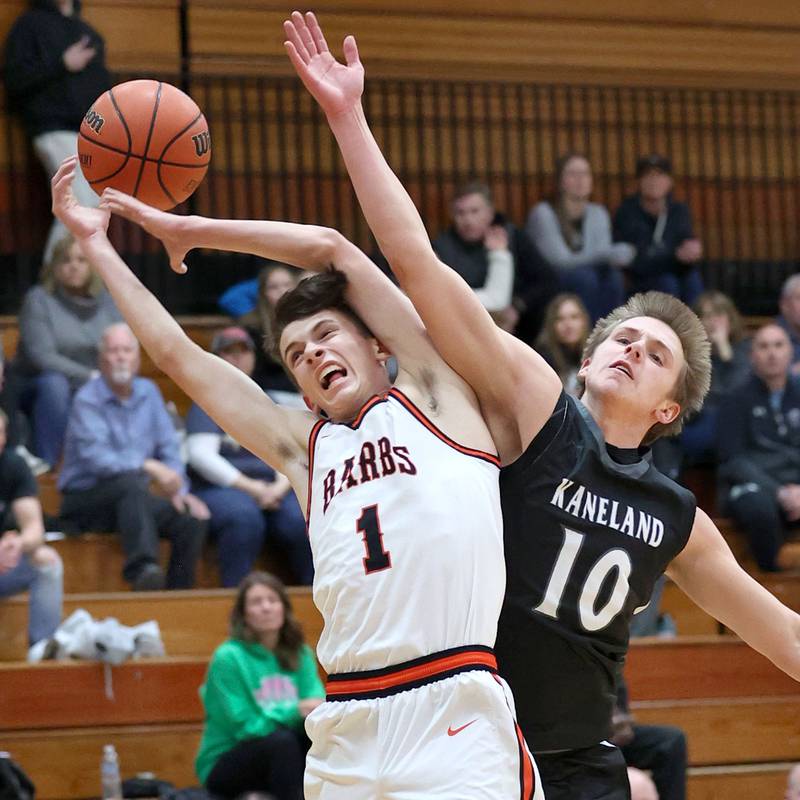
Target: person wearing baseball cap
(250, 503)
(660, 228)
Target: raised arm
(707, 571)
(499, 368)
(384, 308)
(277, 435)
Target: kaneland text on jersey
(578, 501)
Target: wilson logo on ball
(202, 143)
(94, 120)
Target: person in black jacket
(660, 228)
(481, 245)
(759, 449)
(54, 71)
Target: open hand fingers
(121, 204)
(315, 32)
(292, 30)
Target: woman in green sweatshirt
(261, 685)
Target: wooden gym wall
(455, 92)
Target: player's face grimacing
(337, 367)
(639, 365)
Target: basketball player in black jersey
(590, 524)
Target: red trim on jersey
(312, 443)
(527, 773)
(429, 670)
(371, 403)
(469, 451)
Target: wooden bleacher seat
(735, 706)
(192, 622)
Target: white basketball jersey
(406, 531)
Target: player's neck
(616, 425)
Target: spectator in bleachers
(730, 368)
(495, 258)
(642, 786)
(61, 322)
(120, 439)
(261, 685)
(660, 228)
(564, 333)
(793, 784)
(250, 503)
(26, 563)
(789, 318)
(759, 451)
(573, 235)
(274, 280)
(660, 750)
(54, 71)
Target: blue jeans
(45, 585)
(241, 529)
(601, 288)
(47, 399)
(687, 286)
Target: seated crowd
(73, 402)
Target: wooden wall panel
(598, 50)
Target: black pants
(124, 504)
(273, 764)
(592, 773)
(661, 750)
(761, 518)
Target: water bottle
(109, 774)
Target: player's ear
(382, 353)
(584, 366)
(667, 412)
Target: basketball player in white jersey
(400, 484)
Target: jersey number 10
(592, 619)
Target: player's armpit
(709, 574)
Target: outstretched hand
(336, 87)
(81, 221)
(167, 227)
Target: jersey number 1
(592, 619)
(369, 525)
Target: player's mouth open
(622, 367)
(330, 376)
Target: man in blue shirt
(120, 440)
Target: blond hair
(60, 254)
(694, 379)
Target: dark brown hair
(325, 290)
(290, 637)
(474, 187)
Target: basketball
(145, 138)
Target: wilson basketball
(147, 139)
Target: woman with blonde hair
(730, 367)
(61, 323)
(260, 686)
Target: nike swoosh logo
(454, 731)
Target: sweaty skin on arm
(516, 388)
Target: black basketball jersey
(586, 538)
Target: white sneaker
(38, 466)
